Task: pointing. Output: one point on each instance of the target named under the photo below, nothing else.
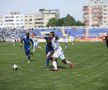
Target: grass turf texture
(90, 72)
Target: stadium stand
(77, 32)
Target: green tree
(69, 21)
(52, 22)
(65, 21)
(60, 22)
(79, 23)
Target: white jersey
(35, 41)
(58, 52)
(55, 44)
(66, 38)
(72, 38)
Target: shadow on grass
(59, 67)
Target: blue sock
(47, 62)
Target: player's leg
(34, 47)
(66, 46)
(66, 61)
(47, 62)
(48, 57)
(39, 46)
(54, 61)
(27, 51)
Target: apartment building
(28, 21)
(95, 14)
(13, 20)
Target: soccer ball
(15, 67)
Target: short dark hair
(27, 34)
(52, 33)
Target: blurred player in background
(35, 40)
(72, 38)
(13, 41)
(66, 40)
(58, 52)
(65, 37)
(106, 40)
(27, 45)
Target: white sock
(33, 49)
(54, 63)
(66, 47)
(68, 62)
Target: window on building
(26, 20)
(105, 6)
(30, 19)
(9, 20)
(105, 10)
(21, 20)
(104, 21)
(104, 13)
(17, 16)
(105, 17)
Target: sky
(72, 7)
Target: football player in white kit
(58, 52)
(66, 41)
(72, 38)
(13, 41)
(35, 40)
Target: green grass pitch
(90, 72)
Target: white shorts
(59, 54)
(65, 41)
(35, 44)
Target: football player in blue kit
(49, 50)
(27, 45)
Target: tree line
(65, 21)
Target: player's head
(69, 33)
(52, 34)
(65, 32)
(27, 35)
(34, 34)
